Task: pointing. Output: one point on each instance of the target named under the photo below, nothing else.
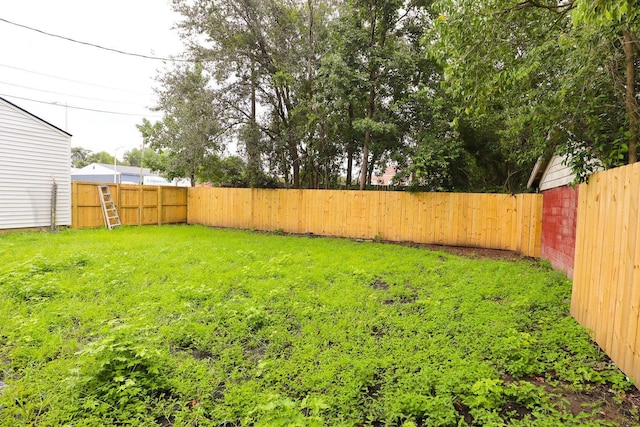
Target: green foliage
(554, 87)
(119, 375)
(605, 12)
(147, 159)
(79, 157)
(101, 157)
(367, 124)
(287, 413)
(197, 326)
(232, 171)
(313, 92)
(190, 131)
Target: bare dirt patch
(602, 401)
(621, 410)
(474, 253)
(380, 285)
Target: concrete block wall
(559, 220)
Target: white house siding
(556, 174)
(32, 154)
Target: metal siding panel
(94, 178)
(32, 154)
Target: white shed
(33, 154)
(551, 173)
(95, 172)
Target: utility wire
(139, 55)
(73, 96)
(57, 104)
(70, 80)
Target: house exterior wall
(32, 154)
(386, 177)
(559, 219)
(129, 178)
(96, 178)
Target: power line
(139, 55)
(73, 96)
(70, 80)
(79, 108)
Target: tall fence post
(159, 205)
(140, 205)
(74, 204)
(119, 193)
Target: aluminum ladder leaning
(111, 218)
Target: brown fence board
(136, 204)
(606, 283)
(611, 304)
(579, 265)
(628, 323)
(476, 220)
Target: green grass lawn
(190, 326)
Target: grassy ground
(194, 326)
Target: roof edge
(34, 116)
(538, 171)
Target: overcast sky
(111, 81)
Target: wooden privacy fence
(606, 282)
(498, 221)
(137, 204)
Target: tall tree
(545, 81)
(376, 20)
(372, 59)
(80, 157)
(137, 157)
(190, 131)
(623, 16)
(312, 86)
(254, 49)
(101, 157)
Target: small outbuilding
(35, 167)
(96, 172)
(553, 177)
(102, 172)
(119, 174)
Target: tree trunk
(374, 159)
(313, 152)
(310, 53)
(373, 81)
(349, 165)
(367, 134)
(253, 153)
(365, 160)
(295, 161)
(373, 74)
(285, 167)
(350, 148)
(630, 98)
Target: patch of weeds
(118, 375)
(35, 279)
(34, 290)
(285, 412)
(260, 329)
